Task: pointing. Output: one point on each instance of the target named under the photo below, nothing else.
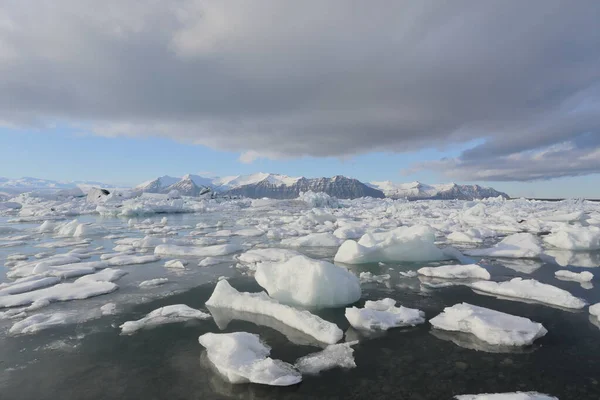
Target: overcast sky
(492, 91)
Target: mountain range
(275, 186)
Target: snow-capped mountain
(187, 187)
(27, 184)
(422, 191)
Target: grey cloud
(286, 79)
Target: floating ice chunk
(335, 355)
(522, 266)
(63, 243)
(60, 292)
(575, 238)
(532, 290)
(310, 283)
(267, 255)
(84, 230)
(469, 236)
(17, 257)
(577, 216)
(38, 322)
(208, 261)
(408, 274)
(69, 270)
(383, 315)
(241, 357)
(180, 264)
(106, 275)
(225, 296)
(518, 245)
(507, 396)
(108, 309)
(584, 276)
(249, 232)
(493, 327)
(471, 271)
(565, 258)
(595, 310)
(164, 315)
(414, 244)
(367, 277)
(153, 282)
(27, 285)
(324, 239)
(319, 199)
(132, 260)
(208, 251)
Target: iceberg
(532, 290)
(383, 315)
(310, 283)
(493, 327)
(241, 357)
(470, 271)
(412, 244)
(164, 315)
(518, 245)
(333, 356)
(225, 296)
(575, 238)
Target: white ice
(225, 296)
(178, 264)
(132, 260)
(518, 245)
(575, 238)
(324, 239)
(584, 276)
(470, 271)
(383, 315)
(493, 327)
(208, 251)
(241, 357)
(530, 290)
(310, 283)
(164, 315)
(153, 282)
(333, 356)
(506, 396)
(27, 284)
(60, 292)
(106, 275)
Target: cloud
(289, 79)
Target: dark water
(168, 363)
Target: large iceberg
(225, 296)
(493, 327)
(383, 315)
(310, 283)
(532, 290)
(470, 271)
(518, 245)
(412, 244)
(164, 315)
(241, 357)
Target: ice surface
(470, 271)
(318, 199)
(60, 292)
(153, 282)
(27, 285)
(383, 315)
(131, 260)
(507, 396)
(208, 251)
(333, 356)
(595, 310)
(518, 245)
(324, 239)
(532, 290)
(368, 277)
(38, 322)
(575, 238)
(208, 261)
(225, 296)
(164, 315)
(241, 357)
(307, 282)
(491, 326)
(584, 276)
(179, 264)
(413, 244)
(470, 236)
(106, 275)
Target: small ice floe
(63, 243)
(408, 274)
(132, 260)
(69, 270)
(153, 282)
(108, 256)
(27, 284)
(61, 292)
(383, 315)
(471, 271)
(493, 327)
(333, 356)
(469, 236)
(225, 296)
(208, 251)
(324, 239)
(564, 258)
(38, 322)
(367, 277)
(108, 309)
(595, 310)
(530, 290)
(241, 357)
(506, 396)
(208, 261)
(518, 245)
(307, 282)
(413, 244)
(106, 275)
(179, 264)
(164, 315)
(584, 276)
(256, 256)
(575, 238)
(17, 257)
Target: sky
(503, 93)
